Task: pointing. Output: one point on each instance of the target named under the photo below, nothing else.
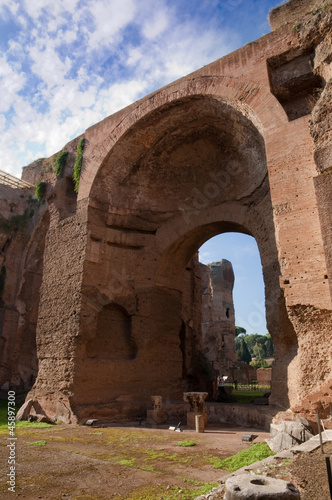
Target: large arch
(193, 168)
(212, 152)
(250, 98)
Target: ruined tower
(218, 318)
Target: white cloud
(120, 95)
(48, 65)
(156, 24)
(56, 8)
(2, 123)
(109, 18)
(11, 5)
(80, 67)
(11, 83)
(134, 56)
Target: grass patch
(187, 443)
(21, 424)
(155, 454)
(144, 456)
(128, 463)
(38, 443)
(256, 452)
(24, 424)
(240, 397)
(150, 492)
(148, 468)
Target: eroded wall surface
(243, 144)
(218, 316)
(23, 225)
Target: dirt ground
(307, 471)
(309, 474)
(81, 463)
(129, 462)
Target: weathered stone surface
(23, 224)
(199, 423)
(258, 487)
(287, 434)
(291, 12)
(39, 418)
(43, 418)
(264, 376)
(218, 318)
(157, 417)
(109, 280)
(24, 412)
(261, 401)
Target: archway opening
(235, 338)
(177, 273)
(249, 288)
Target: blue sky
(67, 64)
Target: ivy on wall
(60, 163)
(78, 164)
(40, 190)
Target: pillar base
(191, 419)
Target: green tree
(243, 354)
(258, 351)
(239, 330)
(269, 346)
(261, 363)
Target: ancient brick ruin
(218, 316)
(103, 284)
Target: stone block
(287, 434)
(40, 418)
(24, 411)
(191, 419)
(244, 486)
(199, 423)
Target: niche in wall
(113, 339)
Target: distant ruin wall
(264, 376)
(218, 316)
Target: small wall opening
(113, 339)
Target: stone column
(197, 407)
